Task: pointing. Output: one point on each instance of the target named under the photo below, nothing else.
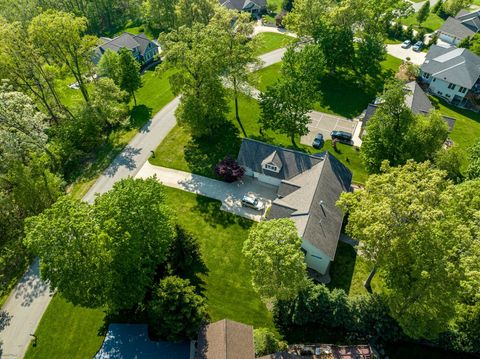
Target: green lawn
(467, 125)
(349, 271)
(269, 41)
(180, 151)
(67, 331)
(433, 22)
(154, 94)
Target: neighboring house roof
(310, 188)
(470, 19)
(243, 4)
(225, 339)
(455, 28)
(416, 100)
(455, 65)
(126, 40)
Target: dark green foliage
(129, 73)
(473, 169)
(266, 342)
(437, 7)
(409, 33)
(423, 12)
(320, 315)
(420, 35)
(450, 160)
(371, 47)
(176, 312)
(184, 257)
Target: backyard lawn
(269, 41)
(433, 22)
(68, 331)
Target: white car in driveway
(406, 44)
(252, 202)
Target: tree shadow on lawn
(210, 210)
(203, 153)
(343, 267)
(348, 95)
(139, 116)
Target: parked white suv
(252, 202)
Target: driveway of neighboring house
(230, 194)
(326, 123)
(415, 57)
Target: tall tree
(451, 160)
(406, 222)
(176, 312)
(129, 78)
(196, 55)
(452, 7)
(423, 12)
(104, 255)
(276, 262)
(160, 15)
(236, 30)
(395, 134)
(473, 169)
(109, 65)
(60, 38)
(190, 12)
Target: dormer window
(271, 167)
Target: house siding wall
(442, 86)
(449, 39)
(315, 258)
(267, 179)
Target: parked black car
(318, 141)
(342, 136)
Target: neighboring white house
(451, 73)
(308, 189)
(455, 29)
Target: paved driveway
(230, 194)
(415, 57)
(325, 124)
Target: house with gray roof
(451, 73)
(308, 189)
(464, 24)
(252, 6)
(415, 99)
(142, 48)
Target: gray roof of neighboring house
(307, 181)
(470, 19)
(456, 28)
(416, 100)
(126, 40)
(242, 4)
(225, 339)
(455, 65)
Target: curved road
(25, 306)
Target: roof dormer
(272, 163)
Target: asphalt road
(24, 308)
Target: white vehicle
(252, 202)
(406, 44)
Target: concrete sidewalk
(229, 194)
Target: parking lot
(325, 124)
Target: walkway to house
(124, 341)
(229, 194)
(265, 28)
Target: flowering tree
(229, 170)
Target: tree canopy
(276, 262)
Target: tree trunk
(134, 98)
(368, 282)
(292, 138)
(238, 117)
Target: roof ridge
(285, 149)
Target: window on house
(271, 167)
(448, 95)
(426, 75)
(434, 79)
(451, 86)
(462, 90)
(440, 93)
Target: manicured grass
(269, 41)
(154, 94)
(466, 131)
(350, 270)
(221, 235)
(68, 331)
(433, 22)
(268, 75)
(179, 151)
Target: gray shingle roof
(455, 65)
(242, 4)
(307, 181)
(470, 19)
(456, 28)
(128, 41)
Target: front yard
(68, 331)
(269, 41)
(433, 22)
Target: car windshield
(255, 202)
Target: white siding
(248, 171)
(315, 258)
(440, 89)
(449, 39)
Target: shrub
(266, 342)
(229, 170)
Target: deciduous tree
(160, 15)
(473, 169)
(276, 262)
(129, 78)
(109, 66)
(423, 12)
(176, 312)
